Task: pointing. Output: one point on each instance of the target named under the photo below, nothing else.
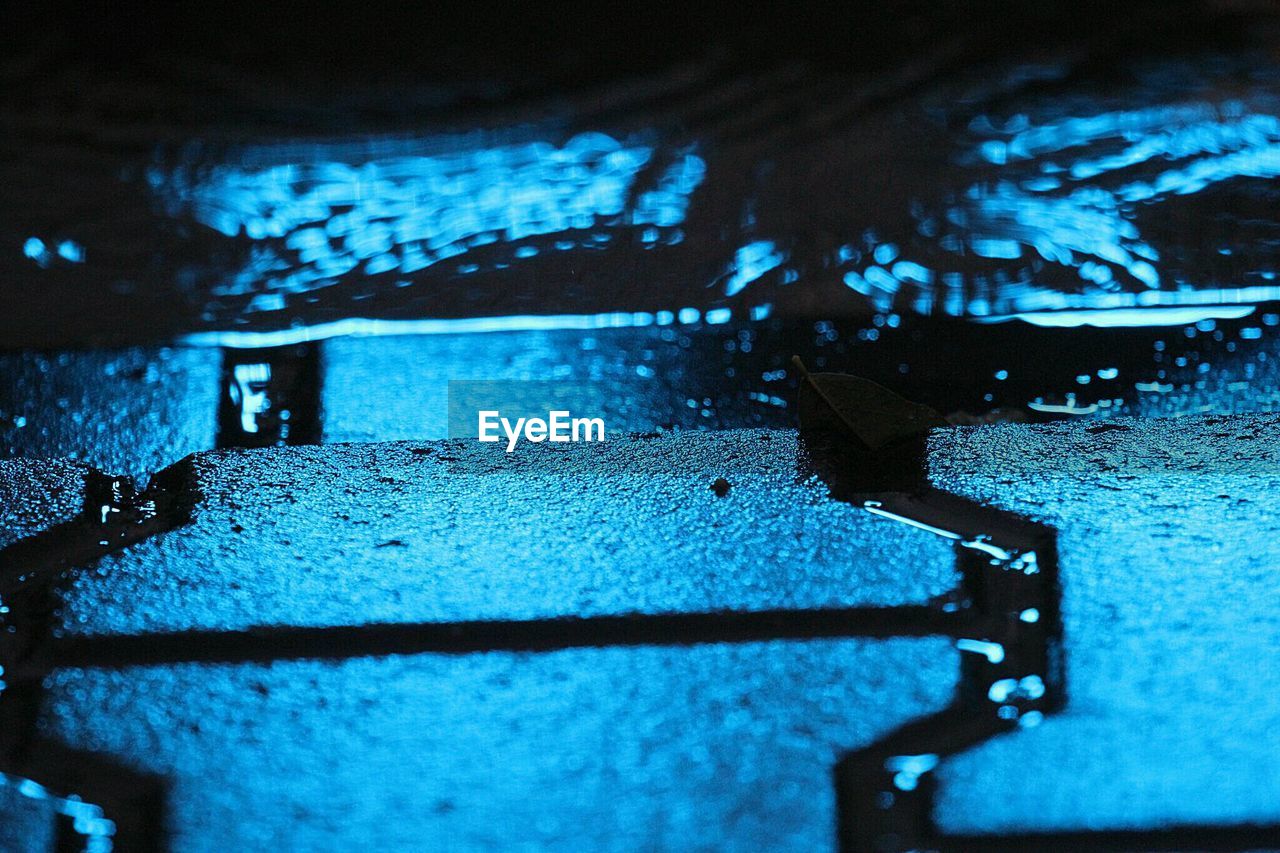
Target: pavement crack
(1011, 668)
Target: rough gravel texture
(712, 747)
(453, 531)
(127, 411)
(708, 748)
(1170, 549)
(36, 495)
(1168, 566)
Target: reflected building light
(983, 543)
(66, 251)
(1057, 136)
(665, 205)
(1031, 719)
(907, 769)
(314, 219)
(1058, 204)
(1070, 407)
(35, 249)
(993, 652)
(1052, 237)
(71, 251)
(374, 327)
(249, 393)
(751, 262)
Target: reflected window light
(666, 204)
(751, 262)
(250, 393)
(316, 218)
(908, 769)
(1057, 202)
(35, 249)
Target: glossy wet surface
(385, 637)
(137, 410)
(1058, 179)
(1153, 607)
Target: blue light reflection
(1066, 199)
(314, 216)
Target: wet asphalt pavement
(257, 593)
(283, 657)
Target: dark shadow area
(335, 643)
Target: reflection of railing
(1004, 617)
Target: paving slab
(26, 822)
(459, 530)
(129, 411)
(708, 746)
(713, 747)
(37, 494)
(1169, 546)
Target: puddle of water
(1031, 209)
(1008, 191)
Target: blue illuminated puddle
(1058, 209)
